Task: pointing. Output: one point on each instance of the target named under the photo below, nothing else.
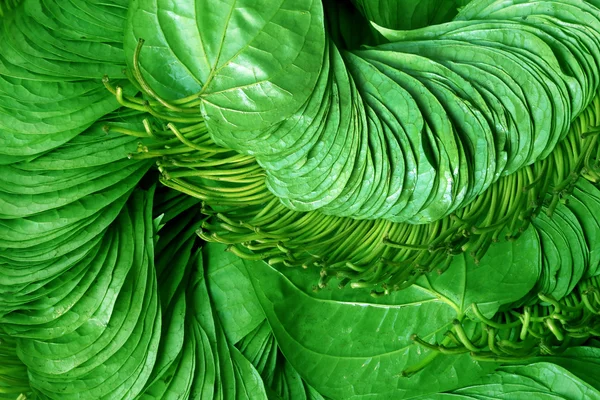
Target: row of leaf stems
(376, 254)
(546, 328)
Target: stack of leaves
(405, 131)
(431, 167)
(435, 129)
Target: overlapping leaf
(13, 373)
(406, 131)
(99, 341)
(195, 360)
(541, 380)
(281, 378)
(51, 66)
(345, 343)
(232, 55)
(410, 14)
(56, 209)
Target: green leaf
(506, 273)
(50, 84)
(349, 349)
(585, 205)
(195, 358)
(232, 293)
(566, 254)
(280, 377)
(579, 361)
(253, 63)
(409, 14)
(233, 376)
(539, 380)
(13, 373)
(56, 209)
(109, 353)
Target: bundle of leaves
(299, 199)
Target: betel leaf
(246, 75)
(107, 292)
(172, 374)
(566, 253)
(349, 349)
(281, 378)
(51, 92)
(348, 97)
(349, 329)
(195, 360)
(570, 375)
(582, 362)
(409, 14)
(506, 273)
(123, 327)
(13, 373)
(55, 210)
(232, 293)
(173, 252)
(246, 326)
(585, 204)
(233, 376)
(540, 380)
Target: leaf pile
(357, 199)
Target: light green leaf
(110, 353)
(254, 63)
(507, 272)
(350, 349)
(409, 14)
(232, 293)
(540, 380)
